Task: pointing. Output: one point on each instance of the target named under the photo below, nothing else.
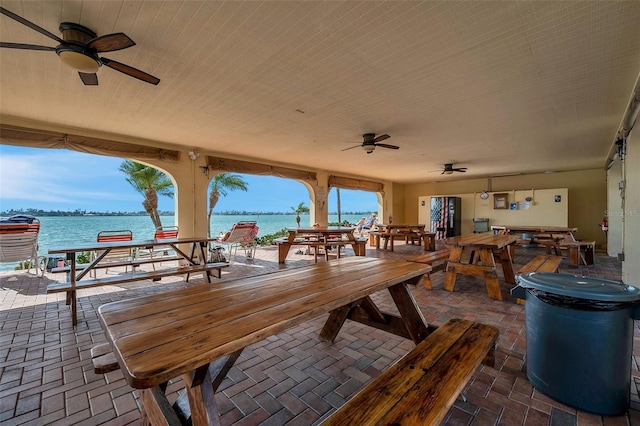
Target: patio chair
(115, 255)
(162, 232)
(242, 234)
(19, 242)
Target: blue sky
(59, 179)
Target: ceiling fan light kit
(72, 53)
(74, 57)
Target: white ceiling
(498, 87)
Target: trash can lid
(579, 287)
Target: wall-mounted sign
(500, 201)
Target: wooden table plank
(158, 337)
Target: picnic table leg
(283, 251)
(490, 276)
(450, 275)
(202, 402)
(413, 319)
(156, 409)
(507, 264)
(336, 320)
(74, 313)
(203, 260)
(218, 370)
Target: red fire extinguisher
(604, 225)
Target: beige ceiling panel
(537, 84)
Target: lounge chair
(365, 225)
(162, 232)
(19, 242)
(116, 255)
(242, 234)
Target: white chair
(19, 242)
(115, 255)
(242, 234)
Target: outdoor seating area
(375, 208)
(293, 377)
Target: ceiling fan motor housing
(73, 52)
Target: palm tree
(150, 182)
(219, 186)
(300, 209)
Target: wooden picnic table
(550, 236)
(320, 234)
(198, 332)
(484, 248)
(194, 260)
(391, 230)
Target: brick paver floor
(292, 378)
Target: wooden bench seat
(580, 252)
(541, 263)
(103, 359)
(59, 287)
(436, 259)
(421, 388)
(133, 263)
(377, 235)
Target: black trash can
(580, 339)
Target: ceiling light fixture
(72, 53)
(368, 148)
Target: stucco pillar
(190, 194)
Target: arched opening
(74, 195)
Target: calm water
(69, 231)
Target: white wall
(614, 209)
(631, 213)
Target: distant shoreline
(57, 213)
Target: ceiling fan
(370, 142)
(79, 48)
(449, 169)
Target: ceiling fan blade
(381, 138)
(384, 145)
(461, 169)
(131, 71)
(355, 146)
(111, 42)
(29, 24)
(27, 46)
(89, 79)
